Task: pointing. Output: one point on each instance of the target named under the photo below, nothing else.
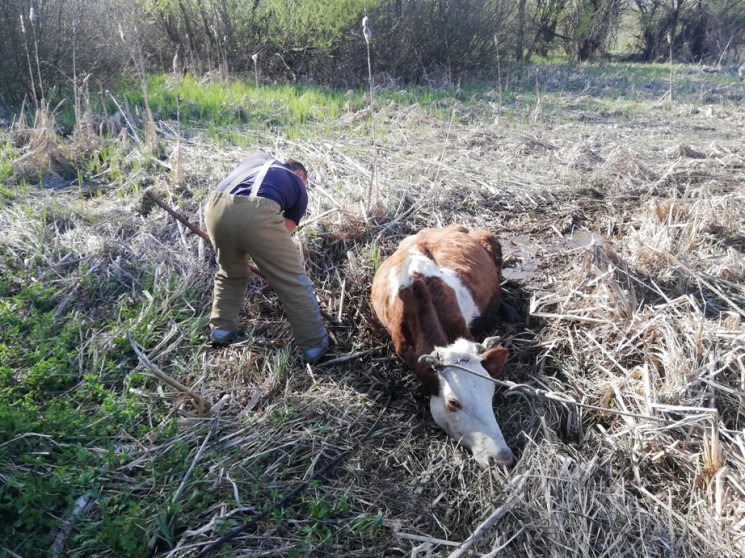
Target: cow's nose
(503, 458)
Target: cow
(437, 287)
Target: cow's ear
(493, 360)
(424, 371)
(491, 342)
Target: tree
(725, 26)
(38, 50)
(698, 30)
(417, 39)
(587, 25)
(544, 16)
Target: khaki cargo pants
(243, 226)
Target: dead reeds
(626, 258)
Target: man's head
(299, 169)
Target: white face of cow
(463, 407)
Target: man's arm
(290, 224)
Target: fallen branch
(194, 462)
(172, 508)
(346, 357)
(420, 538)
(176, 215)
(257, 395)
(203, 404)
(60, 540)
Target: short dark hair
(296, 166)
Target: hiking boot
(314, 354)
(223, 336)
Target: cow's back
(475, 256)
(433, 301)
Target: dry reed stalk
(179, 175)
(255, 58)
(28, 59)
(46, 156)
(367, 33)
(35, 37)
(499, 72)
(670, 37)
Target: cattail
(75, 72)
(255, 58)
(28, 59)
(366, 30)
(175, 63)
(32, 18)
(368, 36)
(499, 72)
(670, 38)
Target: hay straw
(628, 249)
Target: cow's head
(463, 405)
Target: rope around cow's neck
(525, 389)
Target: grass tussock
(622, 229)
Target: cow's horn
(429, 359)
(491, 342)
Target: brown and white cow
(429, 294)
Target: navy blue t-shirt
(280, 184)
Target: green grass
(7, 154)
(50, 415)
(238, 112)
(68, 411)
(217, 105)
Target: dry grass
(624, 243)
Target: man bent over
(251, 214)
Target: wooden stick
(346, 357)
(60, 540)
(176, 215)
(202, 403)
(194, 462)
(420, 538)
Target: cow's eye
(453, 405)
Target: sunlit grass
(230, 102)
(241, 112)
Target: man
(252, 213)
